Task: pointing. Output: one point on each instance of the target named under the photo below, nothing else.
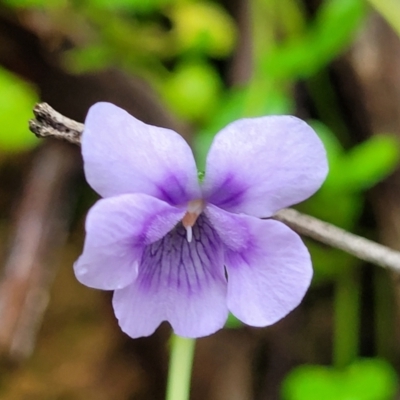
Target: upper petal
(124, 155)
(117, 231)
(179, 282)
(258, 166)
(269, 268)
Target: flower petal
(179, 282)
(117, 231)
(124, 155)
(261, 165)
(269, 268)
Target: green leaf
(368, 163)
(193, 90)
(140, 6)
(336, 24)
(36, 3)
(331, 143)
(232, 322)
(365, 379)
(203, 27)
(333, 29)
(231, 107)
(16, 102)
(89, 58)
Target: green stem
(180, 368)
(347, 317)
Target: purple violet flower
(174, 249)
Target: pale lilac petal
(269, 268)
(117, 231)
(124, 155)
(261, 165)
(179, 282)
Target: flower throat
(194, 209)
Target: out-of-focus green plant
(365, 379)
(36, 3)
(331, 31)
(302, 53)
(140, 6)
(364, 165)
(175, 58)
(202, 27)
(189, 78)
(16, 101)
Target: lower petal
(179, 282)
(269, 268)
(117, 231)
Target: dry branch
(50, 123)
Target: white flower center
(194, 209)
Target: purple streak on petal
(269, 268)
(123, 155)
(261, 165)
(117, 231)
(233, 194)
(179, 282)
(172, 191)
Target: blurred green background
(195, 66)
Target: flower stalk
(180, 367)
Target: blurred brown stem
(40, 228)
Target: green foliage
(361, 167)
(91, 58)
(16, 102)
(141, 6)
(203, 27)
(332, 30)
(366, 164)
(232, 322)
(36, 3)
(365, 379)
(193, 90)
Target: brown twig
(50, 123)
(364, 249)
(333, 236)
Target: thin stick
(362, 248)
(50, 123)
